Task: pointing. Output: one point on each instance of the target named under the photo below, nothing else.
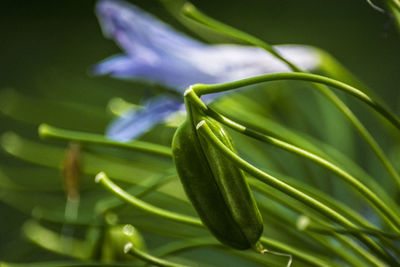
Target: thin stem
(204, 130)
(388, 213)
(178, 246)
(359, 250)
(101, 177)
(287, 224)
(349, 231)
(130, 249)
(55, 242)
(108, 184)
(394, 10)
(150, 185)
(297, 253)
(50, 132)
(377, 8)
(290, 258)
(303, 209)
(300, 208)
(202, 89)
(191, 12)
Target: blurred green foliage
(47, 49)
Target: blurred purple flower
(156, 52)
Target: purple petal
(155, 52)
(137, 32)
(133, 123)
(118, 66)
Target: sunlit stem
(395, 3)
(296, 253)
(191, 12)
(130, 249)
(289, 263)
(203, 89)
(108, 184)
(321, 227)
(205, 131)
(187, 244)
(104, 180)
(374, 6)
(55, 242)
(150, 185)
(50, 132)
(329, 230)
(394, 8)
(388, 213)
(302, 209)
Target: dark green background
(57, 41)
(47, 48)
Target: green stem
(285, 188)
(322, 228)
(203, 89)
(303, 209)
(300, 208)
(191, 12)
(150, 185)
(360, 251)
(352, 231)
(101, 177)
(55, 242)
(297, 253)
(395, 3)
(287, 224)
(181, 245)
(130, 248)
(390, 216)
(108, 184)
(50, 132)
(395, 12)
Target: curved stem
(390, 216)
(303, 209)
(204, 130)
(102, 178)
(276, 245)
(50, 132)
(353, 216)
(394, 9)
(178, 246)
(130, 249)
(151, 184)
(287, 224)
(359, 250)
(202, 89)
(351, 231)
(191, 12)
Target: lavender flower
(156, 52)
